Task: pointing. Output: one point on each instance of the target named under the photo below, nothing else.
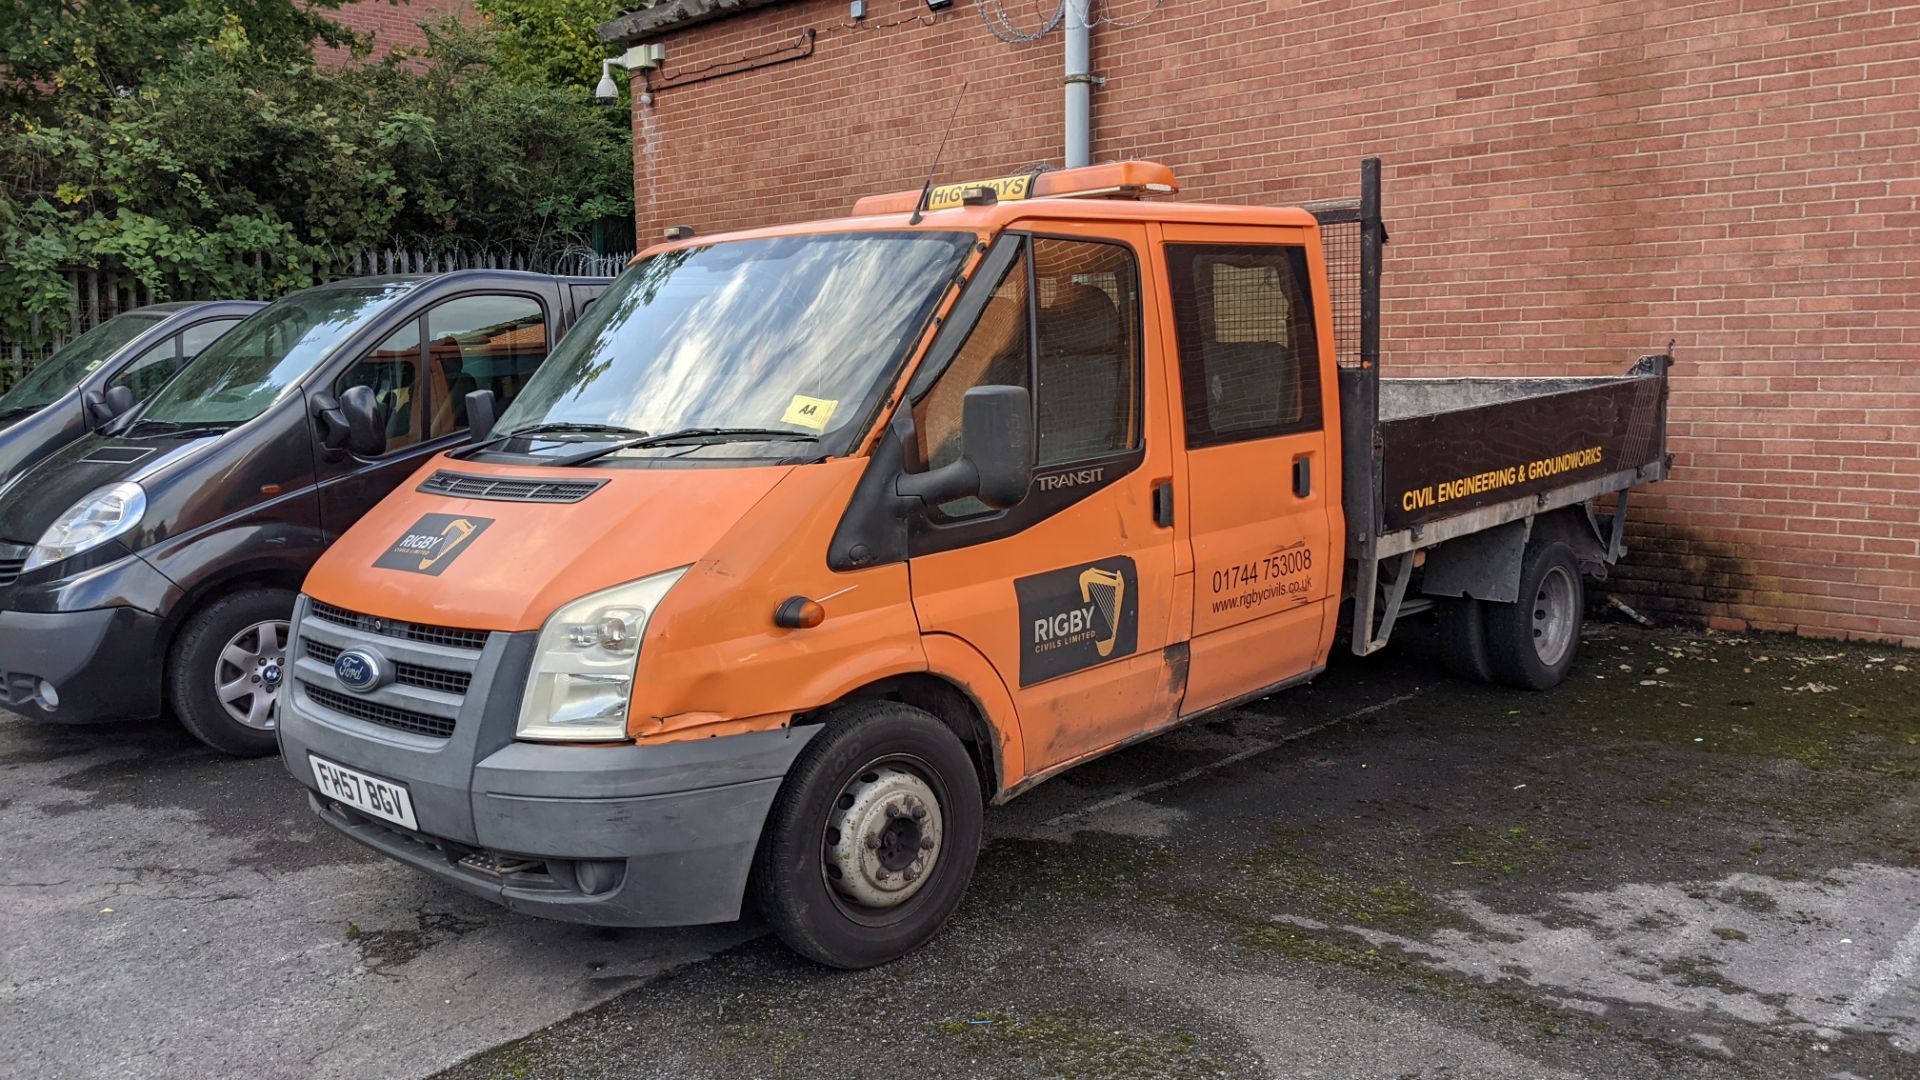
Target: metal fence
(99, 295)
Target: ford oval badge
(359, 670)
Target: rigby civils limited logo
(432, 543)
(1076, 617)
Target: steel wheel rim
(250, 672)
(1553, 624)
(867, 854)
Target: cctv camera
(608, 92)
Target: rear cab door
(1251, 329)
(1070, 593)
(420, 372)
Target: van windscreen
(234, 379)
(74, 361)
(787, 334)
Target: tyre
(872, 838)
(1463, 639)
(1532, 642)
(227, 669)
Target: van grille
(373, 712)
(426, 678)
(508, 489)
(10, 570)
(400, 628)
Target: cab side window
(147, 372)
(392, 372)
(1249, 355)
(1088, 370)
(998, 352)
(481, 343)
(1076, 350)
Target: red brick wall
(393, 25)
(1569, 184)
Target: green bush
(177, 140)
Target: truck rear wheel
(1463, 639)
(872, 838)
(1533, 641)
(228, 668)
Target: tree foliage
(178, 139)
(550, 41)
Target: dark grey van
(157, 565)
(106, 372)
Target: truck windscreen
(787, 334)
(234, 379)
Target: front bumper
(104, 664)
(660, 835)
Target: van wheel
(1463, 639)
(228, 667)
(1533, 641)
(872, 838)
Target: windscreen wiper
(177, 429)
(554, 428)
(694, 434)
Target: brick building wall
(1569, 185)
(394, 25)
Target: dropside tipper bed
(1446, 480)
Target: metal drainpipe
(1079, 84)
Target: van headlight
(99, 517)
(582, 676)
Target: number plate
(381, 798)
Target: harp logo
(1076, 617)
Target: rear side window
(481, 343)
(1249, 357)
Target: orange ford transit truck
(810, 541)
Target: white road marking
(1896, 967)
(1231, 759)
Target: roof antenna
(926, 190)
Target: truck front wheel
(872, 838)
(1532, 642)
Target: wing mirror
(480, 415)
(104, 408)
(996, 464)
(366, 421)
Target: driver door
(1070, 593)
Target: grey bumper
(612, 835)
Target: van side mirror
(480, 415)
(104, 408)
(366, 421)
(996, 466)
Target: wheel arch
(953, 704)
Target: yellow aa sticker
(809, 412)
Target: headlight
(94, 520)
(582, 676)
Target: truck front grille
(373, 712)
(420, 675)
(432, 668)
